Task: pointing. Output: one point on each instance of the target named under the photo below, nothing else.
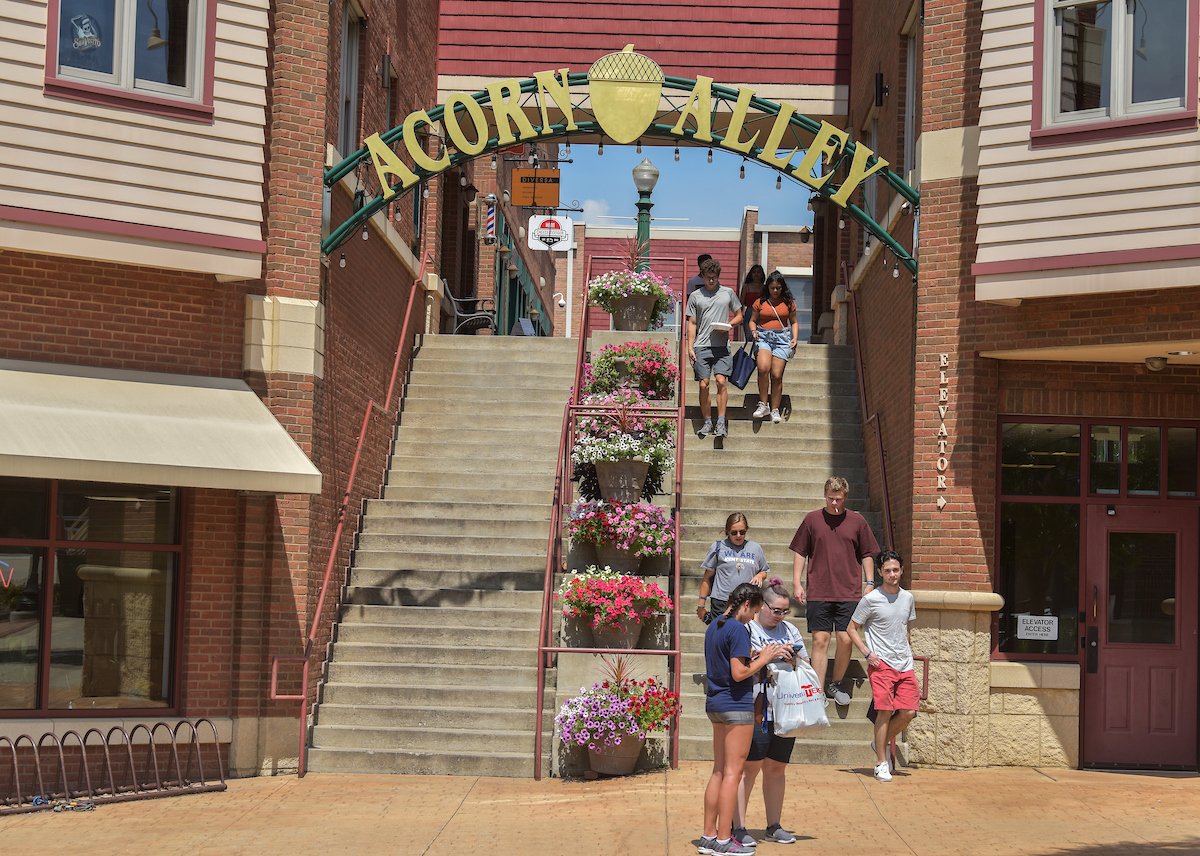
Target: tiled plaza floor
(834, 810)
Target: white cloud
(593, 210)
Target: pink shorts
(892, 690)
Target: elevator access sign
(550, 233)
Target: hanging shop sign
(548, 233)
(535, 188)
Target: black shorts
(767, 744)
(825, 616)
(716, 608)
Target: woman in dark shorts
(730, 668)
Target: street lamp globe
(645, 176)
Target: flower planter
(633, 314)
(621, 561)
(625, 635)
(619, 760)
(622, 480)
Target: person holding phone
(729, 563)
(769, 752)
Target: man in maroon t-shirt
(836, 547)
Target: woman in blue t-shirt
(731, 666)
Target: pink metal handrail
(874, 419)
(562, 497)
(372, 406)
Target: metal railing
(555, 558)
(118, 779)
(304, 659)
(874, 419)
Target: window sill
(1090, 132)
(142, 102)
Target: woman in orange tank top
(776, 330)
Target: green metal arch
(658, 130)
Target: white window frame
(122, 78)
(348, 87)
(1121, 105)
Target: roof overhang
(1124, 352)
(89, 424)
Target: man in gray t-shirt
(884, 614)
(708, 349)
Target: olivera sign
(625, 90)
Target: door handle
(1095, 598)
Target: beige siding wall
(72, 157)
(1076, 198)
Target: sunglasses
(733, 532)
(779, 611)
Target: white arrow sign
(941, 502)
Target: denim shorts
(778, 342)
(731, 717)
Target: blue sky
(709, 195)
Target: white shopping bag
(797, 702)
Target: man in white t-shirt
(885, 615)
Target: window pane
(1104, 474)
(22, 571)
(117, 513)
(1040, 460)
(160, 43)
(1181, 462)
(110, 637)
(1158, 50)
(1144, 454)
(23, 508)
(1039, 566)
(1141, 587)
(87, 35)
(1086, 32)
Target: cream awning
(88, 424)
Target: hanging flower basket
(605, 599)
(609, 291)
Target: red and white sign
(550, 233)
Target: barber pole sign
(490, 238)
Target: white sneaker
(840, 696)
(881, 772)
(887, 751)
(775, 417)
(761, 411)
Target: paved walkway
(837, 811)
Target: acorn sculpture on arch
(625, 89)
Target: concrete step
(514, 545)
(522, 464)
(806, 404)
(455, 597)
(455, 493)
(827, 459)
(522, 721)
(496, 485)
(753, 469)
(760, 518)
(447, 419)
(508, 764)
(375, 739)
(858, 729)
(436, 432)
(417, 651)
(837, 753)
(500, 525)
(795, 436)
(542, 345)
(446, 561)
(438, 692)
(513, 408)
(409, 634)
(383, 512)
(482, 453)
(548, 377)
(418, 616)
(711, 481)
(431, 579)
(433, 675)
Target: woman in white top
(768, 752)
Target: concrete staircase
(774, 474)
(433, 667)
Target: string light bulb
(365, 233)
(677, 154)
(600, 149)
(710, 155)
(425, 191)
(567, 149)
(896, 271)
(867, 245)
(342, 261)
(493, 161)
(742, 171)
(841, 221)
(778, 182)
(462, 179)
(639, 147)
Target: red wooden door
(1139, 682)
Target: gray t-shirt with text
(884, 619)
(733, 565)
(709, 306)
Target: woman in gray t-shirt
(730, 562)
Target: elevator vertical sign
(943, 436)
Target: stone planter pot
(626, 635)
(619, 760)
(632, 314)
(622, 481)
(621, 561)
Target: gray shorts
(731, 717)
(713, 361)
